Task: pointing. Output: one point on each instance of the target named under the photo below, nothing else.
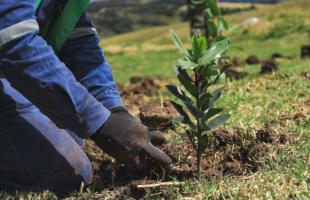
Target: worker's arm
(84, 57)
(31, 66)
(122, 136)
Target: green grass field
(285, 172)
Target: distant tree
(196, 9)
(205, 19)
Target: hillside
(115, 17)
(282, 28)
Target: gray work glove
(130, 143)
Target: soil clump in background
(269, 66)
(235, 74)
(305, 51)
(252, 60)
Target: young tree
(197, 109)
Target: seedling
(197, 71)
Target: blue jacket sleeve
(31, 66)
(85, 58)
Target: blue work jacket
(74, 88)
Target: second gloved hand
(129, 142)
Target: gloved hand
(129, 142)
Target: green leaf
(207, 72)
(223, 70)
(186, 119)
(178, 43)
(204, 101)
(177, 120)
(177, 92)
(193, 110)
(223, 25)
(211, 113)
(217, 93)
(185, 64)
(199, 46)
(208, 14)
(214, 8)
(212, 28)
(215, 51)
(238, 48)
(218, 121)
(204, 86)
(187, 82)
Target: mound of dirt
(252, 60)
(237, 62)
(279, 55)
(268, 135)
(158, 114)
(268, 66)
(305, 51)
(235, 74)
(136, 94)
(133, 103)
(225, 137)
(139, 85)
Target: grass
(252, 101)
(282, 29)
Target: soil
(268, 66)
(133, 103)
(237, 62)
(139, 85)
(158, 114)
(279, 55)
(137, 93)
(235, 74)
(305, 51)
(235, 154)
(252, 60)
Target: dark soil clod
(237, 62)
(234, 74)
(157, 114)
(266, 135)
(269, 66)
(224, 137)
(233, 167)
(279, 55)
(252, 60)
(141, 85)
(305, 51)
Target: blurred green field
(282, 29)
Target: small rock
(252, 21)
